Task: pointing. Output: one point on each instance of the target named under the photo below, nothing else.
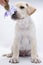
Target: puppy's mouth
(16, 16)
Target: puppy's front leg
(34, 56)
(15, 50)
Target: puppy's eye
(22, 7)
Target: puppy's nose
(15, 12)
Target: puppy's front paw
(13, 61)
(36, 60)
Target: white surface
(7, 29)
(22, 61)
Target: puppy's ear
(30, 9)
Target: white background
(7, 30)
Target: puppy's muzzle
(16, 15)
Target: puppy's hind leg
(8, 55)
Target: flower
(10, 11)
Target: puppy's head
(23, 10)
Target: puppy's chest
(24, 25)
(23, 34)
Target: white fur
(25, 36)
(24, 31)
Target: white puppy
(25, 34)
